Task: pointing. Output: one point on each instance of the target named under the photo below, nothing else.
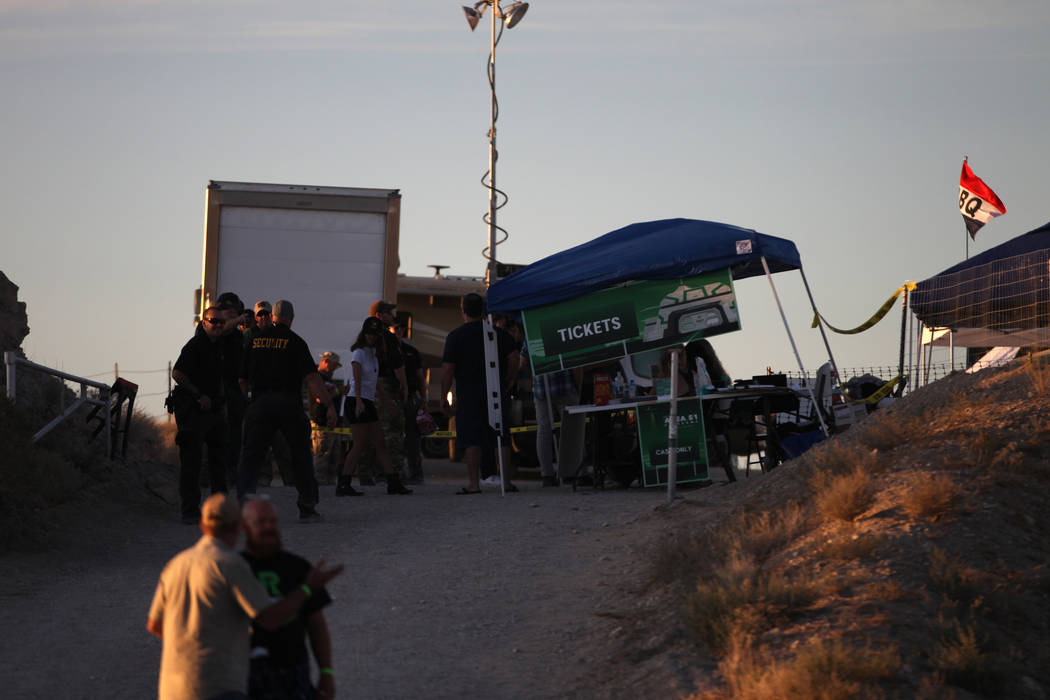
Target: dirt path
(444, 596)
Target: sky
(840, 126)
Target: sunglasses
(214, 321)
(262, 313)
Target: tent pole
(794, 348)
(672, 428)
(820, 325)
(550, 414)
(904, 328)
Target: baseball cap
(283, 309)
(230, 300)
(331, 357)
(372, 325)
(262, 305)
(219, 509)
(381, 307)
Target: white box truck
(331, 251)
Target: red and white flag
(977, 203)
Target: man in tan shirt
(205, 602)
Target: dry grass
(958, 583)
(837, 458)
(820, 671)
(716, 610)
(930, 496)
(1037, 372)
(843, 496)
(960, 656)
(884, 430)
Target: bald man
(280, 663)
(205, 601)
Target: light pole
(510, 15)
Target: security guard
(274, 369)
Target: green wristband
(306, 589)
(327, 671)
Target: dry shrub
(679, 557)
(1038, 373)
(760, 534)
(959, 654)
(819, 672)
(851, 547)
(717, 609)
(956, 581)
(930, 496)
(843, 496)
(884, 430)
(838, 458)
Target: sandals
(466, 492)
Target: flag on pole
(977, 203)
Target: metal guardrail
(13, 361)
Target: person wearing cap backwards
(362, 412)
(391, 391)
(272, 375)
(203, 605)
(327, 446)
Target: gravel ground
(444, 596)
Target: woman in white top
(363, 419)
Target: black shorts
(368, 413)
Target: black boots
(343, 487)
(394, 487)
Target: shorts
(368, 413)
(473, 429)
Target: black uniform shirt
(413, 362)
(278, 360)
(388, 352)
(201, 361)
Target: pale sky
(840, 126)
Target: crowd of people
(239, 407)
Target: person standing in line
(564, 386)
(362, 412)
(199, 403)
(203, 607)
(391, 393)
(232, 356)
(279, 450)
(280, 662)
(416, 399)
(273, 374)
(328, 449)
(463, 363)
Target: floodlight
(472, 16)
(514, 12)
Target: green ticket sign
(630, 318)
(653, 421)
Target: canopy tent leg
(672, 428)
(904, 330)
(820, 325)
(794, 348)
(550, 412)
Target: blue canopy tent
(650, 250)
(1004, 288)
(653, 250)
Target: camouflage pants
(328, 453)
(392, 423)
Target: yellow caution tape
(882, 392)
(876, 317)
(436, 434)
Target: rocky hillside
(907, 557)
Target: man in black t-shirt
(274, 370)
(463, 361)
(200, 413)
(232, 342)
(280, 662)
